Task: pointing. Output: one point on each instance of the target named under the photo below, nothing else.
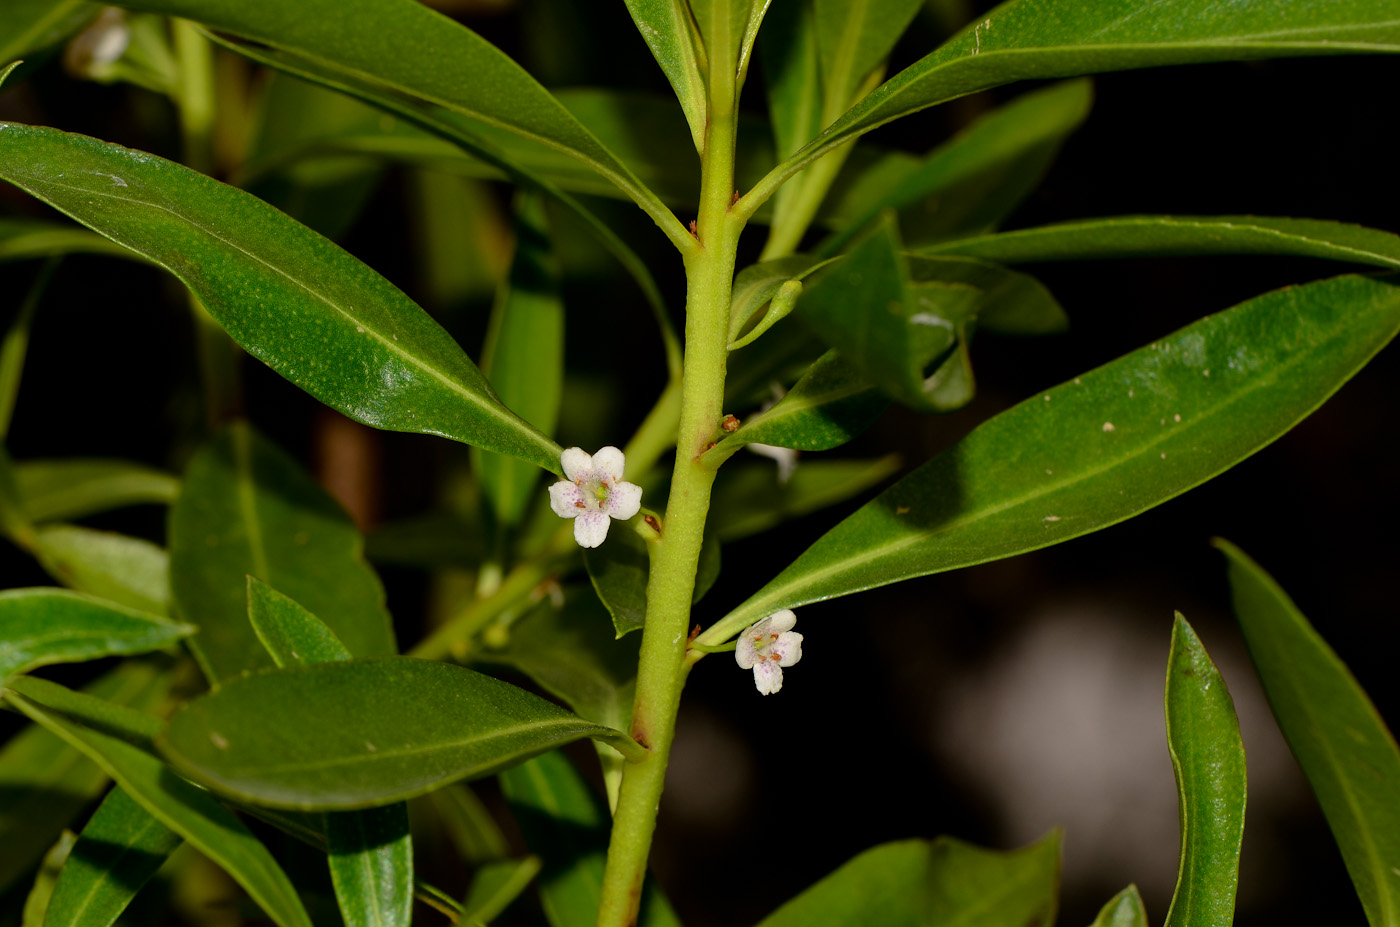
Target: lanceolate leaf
(405, 47)
(853, 38)
(118, 741)
(1123, 910)
(1208, 757)
(1346, 751)
(28, 26)
(1017, 132)
(54, 490)
(44, 782)
(945, 881)
(1107, 445)
(43, 626)
(249, 509)
(524, 357)
(1035, 39)
(120, 569)
(665, 27)
(121, 847)
(363, 733)
(1161, 236)
(294, 300)
(291, 634)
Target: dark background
(992, 703)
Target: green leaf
(620, 568)
(495, 886)
(749, 498)
(452, 67)
(759, 283)
(944, 881)
(665, 27)
(291, 634)
(792, 81)
(121, 847)
(294, 300)
(1115, 442)
(371, 860)
(41, 626)
(1203, 737)
(44, 782)
(124, 570)
(55, 490)
(1012, 142)
(16, 345)
(853, 38)
(524, 357)
(1162, 236)
(432, 541)
(1123, 910)
(468, 822)
(567, 826)
(22, 239)
(370, 852)
(830, 405)
(1346, 751)
(1009, 302)
(117, 740)
(722, 24)
(249, 509)
(36, 904)
(364, 733)
(1036, 39)
(29, 26)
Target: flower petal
(564, 498)
(590, 528)
(576, 463)
(779, 621)
(787, 648)
(768, 677)
(624, 500)
(609, 460)
(744, 652)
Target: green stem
(661, 670)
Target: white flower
(767, 647)
(594, 493)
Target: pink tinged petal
(624, 501)
(609, 460)
(576, 463)
(779, 621)
(758, 631)
(564, 498)
(590, 528)
(744, 653)
(788, 648)
(768, 677)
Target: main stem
(662, 667)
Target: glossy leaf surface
(249, 509)
(665, 27)
(44, 782)
(55, 490)
(1203, 737)
(290, 633)
(293, 299)
(118, 740)
(524, 357)
(749, 498)
(406, 48)
(120, 848)
(1346, 750)
(1115, 442)
(944, 881)
(1036, 39)
(1008, 302)
(1162, 236)
(853, 38)
(127, 571)
(42, 626)
(1123, 910)
(759, 283)
(363, 733)
(567, 826)
(1022, 135)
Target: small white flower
(594, 493)
(767, 647)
